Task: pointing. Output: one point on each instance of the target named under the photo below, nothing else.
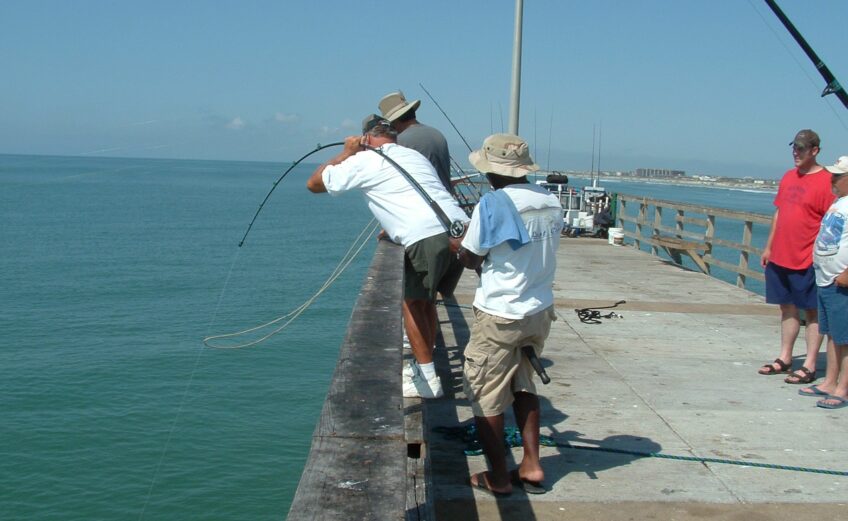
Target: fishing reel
(456, 229)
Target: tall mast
(595, 180)
(592, 170)
(516, 69)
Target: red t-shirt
(802, 201)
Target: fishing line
(454, 229)
(356, 247)
(593, 316)
(185, 392)
(340, 268)
(512, 438)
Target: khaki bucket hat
(503, 154)
(394, 105)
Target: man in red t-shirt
(802, 200)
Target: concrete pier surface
(676, 378)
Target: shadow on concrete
(445, 432)
(587, 455)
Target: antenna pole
(515, 99)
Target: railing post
(747, 232)
(709, 233)
(657, 224)
(620, 215)
(643, 209)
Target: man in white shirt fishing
(406, 219)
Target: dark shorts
(833, 308)
(425, 264)
(785, 286)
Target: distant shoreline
(726, 183)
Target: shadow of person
(590, 456)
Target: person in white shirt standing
(406, 219)
(830, 261)
(512, 238)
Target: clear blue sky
(711, 87)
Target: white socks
(428, 370)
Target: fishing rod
(446, 116)
(249, 226)
(833, 86)
(464, 179)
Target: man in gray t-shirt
(412, 134)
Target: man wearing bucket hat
(406, 219)
(802, 199)
(417, 136)
(830, 261)
(513, 237)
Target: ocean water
(744, 200)
(112, 271)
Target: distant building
(659, 172)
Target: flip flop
(813, 391)
(481, 485)
(530, 487)
(843, 402)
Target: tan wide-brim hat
(394, 105)
(503, 154)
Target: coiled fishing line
(355, 248)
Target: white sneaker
(406, 344)
(409, 370)
(416, 386)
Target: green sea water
(111, 273)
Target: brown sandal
(769, 368)
(805, 378)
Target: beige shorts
(495, 368)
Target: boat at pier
(579, 205)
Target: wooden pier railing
(359, 463)
(711, 237)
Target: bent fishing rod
(454, 228)
(249, 226)
(833, 86)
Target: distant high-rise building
(659, 172)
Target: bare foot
(533, 476)
(482, 482)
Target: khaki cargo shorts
(495, 368)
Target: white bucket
(616, 236)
